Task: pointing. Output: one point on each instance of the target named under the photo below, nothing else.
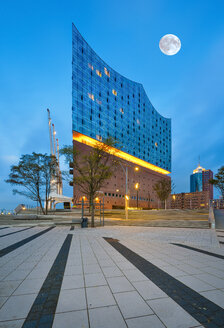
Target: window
(106, 72)
(98, 137)
(98, 73)
(114, 92)
(91, 96)
(121, 110)
(90, 66)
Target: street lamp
(137, 187)
(126, 189)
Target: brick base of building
(113, 189)
(190, 200)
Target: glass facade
(105, 103)
(196, 182)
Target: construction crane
(54, 133)
(50, 134)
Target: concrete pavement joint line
(12, 247)
(200, 308)
(200, 250)
(4, 228)
(44, 307)
(11, 233)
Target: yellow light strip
(127, 157)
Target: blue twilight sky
(35, 73)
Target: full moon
(170, 44)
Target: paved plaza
(111, 277)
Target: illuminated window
(99, 102)
(156, 144)
(90, 66)
(91, 96)
(114, 92)
(138, 122)
(99, 138)
(121, 110)
(98, 73)
(106, 72)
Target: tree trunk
(41, 206)
(165, 204)
(92, 211)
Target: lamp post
(137, 187)
(126, 189)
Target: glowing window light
(90, 66)
(98, 73)
(114, 92)
(91, 96)
(118, 153)
(121, 110)
(156, 144)
(99, 101)
(138, 122)
(98, 137)
(106, 72)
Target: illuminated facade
(105, 103)
(199, 181)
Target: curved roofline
(140, 84)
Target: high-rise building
(105, 103)
(199, 181)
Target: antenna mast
(50, 134)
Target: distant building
(199, 181)
(190, 200)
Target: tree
(218, 182)
(163, 189)
(92, 169)
(34, 173)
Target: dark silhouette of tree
(218, 182)
(33, 174)
(163, 189)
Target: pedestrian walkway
(111, 277)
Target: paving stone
(71, 282)
(119, 284)
(216, 296)
(77, 319)
(99, 296)
(132, 305)
(134, 275)
(112, 272)
(17, 307)
(211, 280)
(171, 314)
(12, 324)
(106, 317)
(29, 286)
(150, 321)
(71, 300)
(195, 283)
(8, 287)
(73, 269)
(92, 268)
(148, 290)
(94, 280)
